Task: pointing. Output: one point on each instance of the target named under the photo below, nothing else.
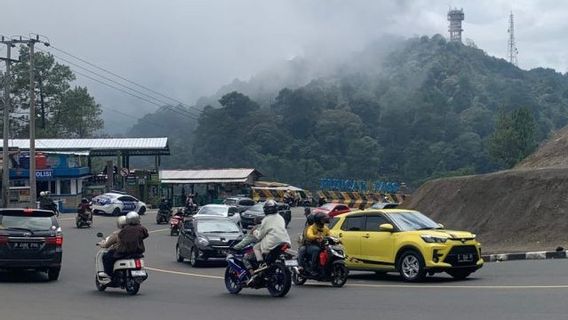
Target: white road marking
(159, 230)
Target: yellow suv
(406, 241)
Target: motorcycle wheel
(78, 224)
(100, 287)
(339, 275)
(231, 282)
(132, 286)
(279, 280)
(298, 279)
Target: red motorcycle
(176, 222)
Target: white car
(116, 204)
(220, 210)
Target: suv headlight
(432, 239)
(202, 241)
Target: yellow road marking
(391, 286)
(197, 275)
(153, 231)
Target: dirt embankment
(522, 209)
(551, 154)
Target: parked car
(248, 216)
(385, 205)
(332, 209)
(116, 204)
(405, 241)
(242, 203)
(220, 210)
(205, 238)
(30, 239)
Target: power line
(125, 79)
(160, 103)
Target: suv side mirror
(99, 234)
(441, 226)
(387, 227)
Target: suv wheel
(411, 266)
(142, 211)
(53, 273)
(116, 212)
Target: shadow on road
(394, 277)
(23, 277)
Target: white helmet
(43, 194)
(132, 218)
(120, 222)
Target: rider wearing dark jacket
(131, 237)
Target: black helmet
(270, 207)
(84, 200)
(321, 218)
(310, 219)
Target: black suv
(30, 239)
(248, 216)
(242, 203)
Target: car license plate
(26, 245)
(138, 273)
(291, 263)
(465, 257)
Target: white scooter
(127, 273)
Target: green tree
(513, 138)
(78, 115)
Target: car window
(372, 223)
(246, 202)
(328, 206)
(213, 226)
(333, 222)
(127, 198)
(230, 202)
(353, 223)
(215, 211)
(32, 223)
(341, 208)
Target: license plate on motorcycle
(291, 263)
(138, 273)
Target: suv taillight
(57, 240)
(3, 239)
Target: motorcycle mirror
(99, 234)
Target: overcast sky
(187, 49)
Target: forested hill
(428, 109)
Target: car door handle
(366, 236)
(341, 235)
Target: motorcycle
(331, 265)
(163, 216)
(128, 273)
(175, 223)
(276, 276)
(84, 218)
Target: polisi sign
(44, 174)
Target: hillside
(422, 109)
(509, 210)
(551, 154)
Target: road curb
(536, 255)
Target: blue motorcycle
(275, 276)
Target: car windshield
(212, 226)
(258, 207)
(25, 223)
(216, 211)
(328, 206)
(412, 220)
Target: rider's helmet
(270, 207)
(84, 200)
(132, 218)
(321, 218)
(310, 219)
(43, 194)
(120, 222)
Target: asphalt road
(510, 290)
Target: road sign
(124, 172)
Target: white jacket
(271, 232)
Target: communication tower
(512, 44)
(455, 17)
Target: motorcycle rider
(46, 203)
(247, 240)
(303, 241)
(130, 241)
(307, 214)
(111, 244)
(314, 236)
(84, 210)
(270, 233)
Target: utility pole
(6, 126)
(33, 185)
